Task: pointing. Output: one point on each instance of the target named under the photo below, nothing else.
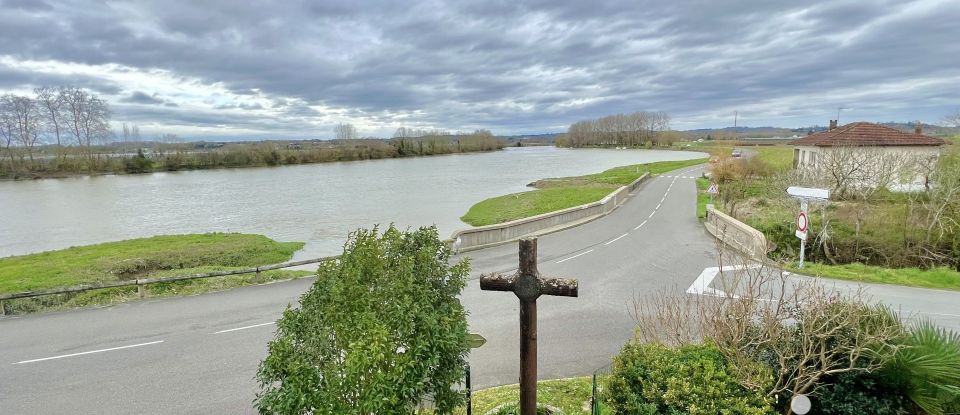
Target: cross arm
(498, 282)
(564, 287)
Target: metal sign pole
(806, 225)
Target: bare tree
(861, 171)
(52, 102)
(88, 118)
(801, 330)
(952, 120)
(345, 132)
(8, 131)
(24, 114)
(621, 130)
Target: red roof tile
(867, 134)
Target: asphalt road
(200, 354)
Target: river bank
(565, 192)
(63, 162)
(154, 257)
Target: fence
(736, 234)
(491, 235)
(142, 283)
(601, 377)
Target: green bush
(928, 363)
(380, 330)
(653, 379)
(856, 393)
(139, 163)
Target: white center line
(651, 214)
(90, 352)
(616, 239)
(244, 328)
(567, 259)
(640, 225)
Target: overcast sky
(296, 68)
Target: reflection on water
(317, 203)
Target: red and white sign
(802, 222)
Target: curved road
(200, 354)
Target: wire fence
(601, 378)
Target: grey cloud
(468, 63)
(29, 5)
(140, 97)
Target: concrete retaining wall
(736, 234)
(491, 235)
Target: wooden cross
(528, 286)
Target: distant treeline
(627, 130)
(56, 161)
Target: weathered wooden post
(528, 286)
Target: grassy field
(942, 278)
(158, 256)
(572, 396)
(702, 196)
(565, 192)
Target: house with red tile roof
(868, 154)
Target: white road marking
(651, 214)
(640, 225)
(245, 327)
(701, 285)
(567, 259)
(659, 204)
(90, 352)
(616, 239)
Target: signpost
(474, 340)
(801, 233)
(805, 194)
(712, 190)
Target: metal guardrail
(140, 283)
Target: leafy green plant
(139, 163)
(928, 362)
(856, 393)
(379, 331)
(695, 379)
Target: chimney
(833, 125)
(918, 128)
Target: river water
(316, 203)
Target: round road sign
(802, 221)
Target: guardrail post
(3, 308)
(141, 290)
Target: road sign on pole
(802, 225)
(475, 340)
(712, 190)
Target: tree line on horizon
(641, 128)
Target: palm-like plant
(928, 364)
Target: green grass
(778, 157)
(703, 198)
(138, 258)
(942, 278)
(522, 205)
(158, 256)
(569, 395)
(565, 192)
